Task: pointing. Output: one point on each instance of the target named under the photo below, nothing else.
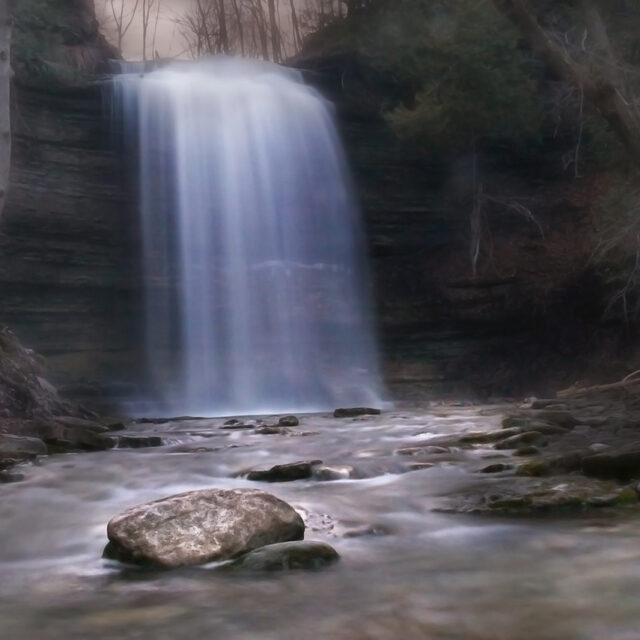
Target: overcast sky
(169, 42)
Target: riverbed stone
(354, 412)
(515, 442)
(535, 468)
(616, 464)
(498, 467)
(9, 477)
(139, 441)
(524, 496)
(234, 424)
(483, 437)
(201, 526)
(285, 556)
(300, 470)
(272, 430)
(19, 448)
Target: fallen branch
(627, 383)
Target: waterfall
(256, 290)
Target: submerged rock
(338, 472)
(139, 442)
(201, 526)
(8, 477)
(498, 467)
(354, 412)
(288, 555)
(515, 442)
(484, 437)
(271, 430)
(285, 472)
(234, 424)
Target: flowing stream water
(424, 575)
(256, 288)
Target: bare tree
(237, 12)
(150, 8)
(6, 23)
(222, 22)
(122, 18)
(598, 78)
(276, 48)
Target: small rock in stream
(341, 472)
(270, 430)
(354, 412)
(234, 423)
(498, 467)
(285, 472)
(139, 442)
(287, 556)
(483, 437)
(288, 421)
(201, 526)
(621, 465)
(515, 442)
(8, 477)
(372, 530)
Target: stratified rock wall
(66, 236)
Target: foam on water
(256, 287)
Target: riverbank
(395, 509)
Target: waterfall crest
(255, 279)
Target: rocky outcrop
(24, 392)
(34, 419)
(201, 526)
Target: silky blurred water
(257, 295)
(430, 576)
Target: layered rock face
(67, 236)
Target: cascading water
(255, 282)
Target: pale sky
(169, 42)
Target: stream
(406, 571)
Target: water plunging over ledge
(255, 279)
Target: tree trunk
(297, 39)
(239, 26)
(275, 32)
(222, 21)
(5, 98)
(600, 88)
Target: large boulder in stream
(201, 526)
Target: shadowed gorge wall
(69, 259)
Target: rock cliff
(68, 261)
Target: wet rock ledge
(34, 420)
(568, 453)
